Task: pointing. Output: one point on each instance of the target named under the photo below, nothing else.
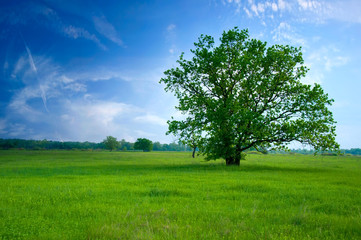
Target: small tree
(143, 144)
(243, 94)
(111, 143)
(157, 146)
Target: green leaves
(143, 144)
(111, 143)
(242, 94)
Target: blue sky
(83, 70)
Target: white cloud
(77, 32)
(346, 11)
(55, 22)
(313, 76)
(314, 11)
(43, 79)
(327, 57)
(336, 61)
(323, 61)
(101, 112)
(107, 30)
(92, 120)
(19, 104)
(50, 82)
(151, 119)
(98, 74)
(249, 14)
(274, 7)
(254, 9)
(282, 5)
(171, 27)
(261, 7)
(309, 4)
(16, 130)
(31, 60)
(66, 79)
(171, 37)
(19, 66)
(76, 87)
(284, 33)
(141, 133)
(236, 3)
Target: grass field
(157, 195)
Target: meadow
(169, 195)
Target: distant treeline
(352, 151)
(49, 145)
(124, 146)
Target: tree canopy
(242, 94)
(111, 143)
(143, 144)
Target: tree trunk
(233, 161)
(194, 151)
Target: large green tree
(111, 143)
(242, 94)
(143, 144)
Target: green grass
(124, 195)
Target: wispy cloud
(315, 11)
(171, 27)
(236, 3)
(69, 30)
(310, 5)
(42, 79)
(323, 61)
(103, 113)
(30, 12)
(74, 113)
(345, 11)
(151, 119)
(33, 67)
(284, 33)
(263, 9)
(95, 119)
(171, 37)
(77, 32)
(107, 30)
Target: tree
(143, 144)
(111, 143)
(242, 94)
(157, 146)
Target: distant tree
(242, 94)
(126, 145)
(111, 143)
(157, 146)
(143, 144)
(7, 144)
(193, 143)
(190, 136)
(165, 147)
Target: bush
(254, 152)
(329, 154)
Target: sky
(84, 70)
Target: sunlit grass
(124, 195)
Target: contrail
(31, 60)
(33, 67)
